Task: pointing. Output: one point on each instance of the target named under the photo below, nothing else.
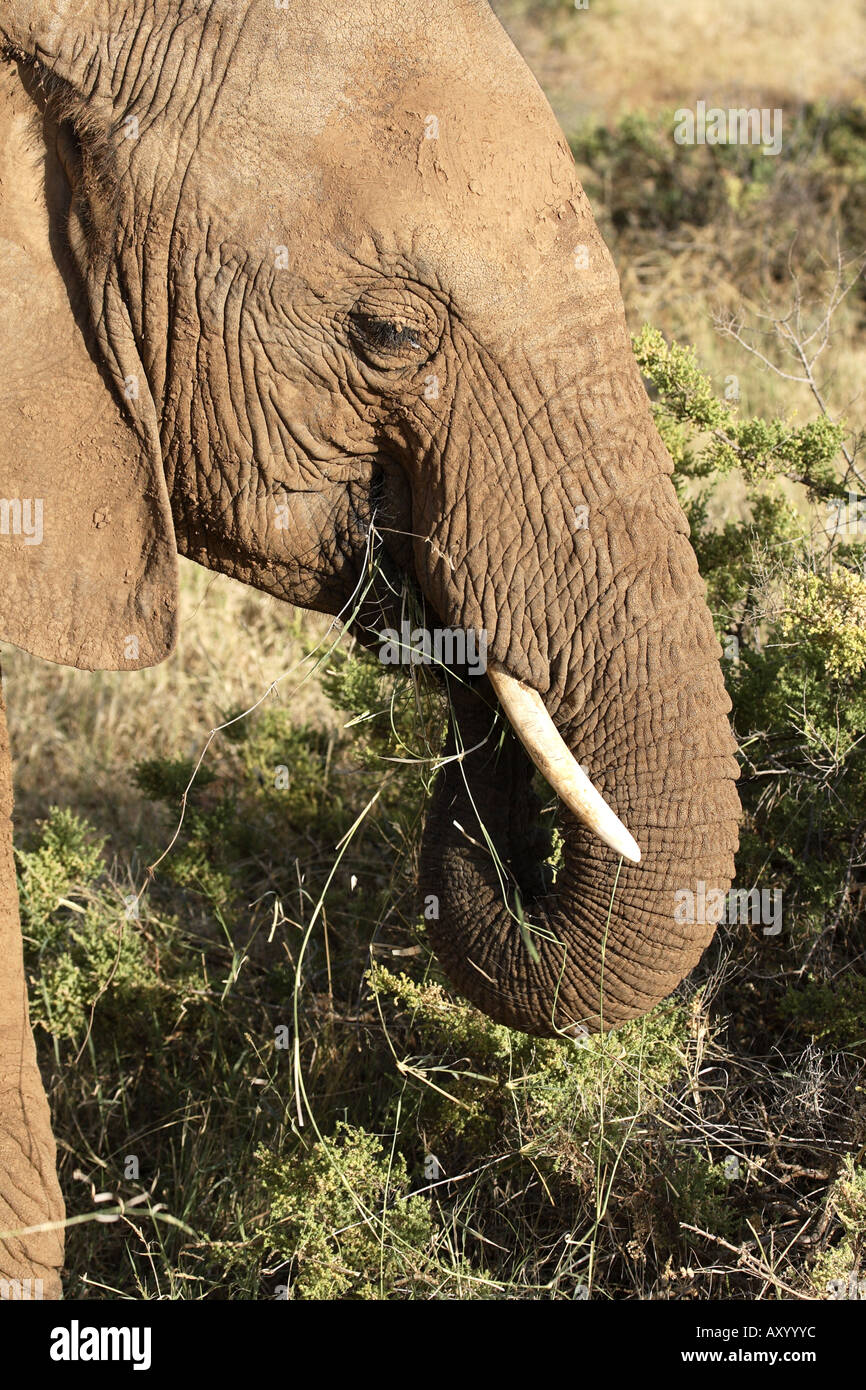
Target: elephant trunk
(648, 725)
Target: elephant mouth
(526, 716)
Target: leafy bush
(642, 181)
(341, 1217)
(840, 1270)
(88, 943)
(787, 586)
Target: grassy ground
(261, 1086)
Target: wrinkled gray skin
(279, 276)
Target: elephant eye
(389, 330)
(385, 335)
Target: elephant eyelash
(384, 335)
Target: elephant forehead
(303, 59)
(420, 140)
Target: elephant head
(284, 284)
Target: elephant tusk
(554, 760)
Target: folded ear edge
(88, 560)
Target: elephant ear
(88, 562)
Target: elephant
(286, 286)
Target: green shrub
(341, 1217)
(643, 182)
(789, 601)
(88, 942)
(839, 1271)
